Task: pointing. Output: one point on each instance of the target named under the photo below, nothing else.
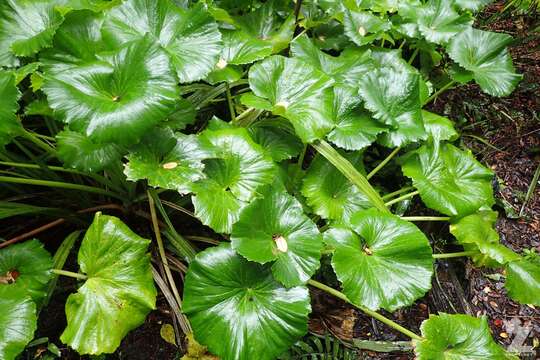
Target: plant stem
(350, 172)
(58, 184)
(401, 198)
(426, 218)
(438, 92)
(70, 274)
(413, 56)
(40, 143)
(383, 163)
(301, 158)
(397, 192)
(453, 255)
(161, 250)
(96, 177)
(230, 103)
(371, 313)
(530, 190)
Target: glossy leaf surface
(80, 152)
(239, 168)
(238, 310)
(484, 53)
(168, 160)
(9, 95)
(118, 97)
(449, 180)
(329, 193)
(18, 321)
(523, 281)
(384, 263)
(118, 293)
(457, 337)
(275, 229)
(190, 38)
(27, 267)
(296, 91)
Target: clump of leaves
(112, 98)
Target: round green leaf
(238, 310)
(438, 127)
(278, 142)
(167, 160)
(26, 26)
(9, 96)
(297, 91)
(385, 263)
(275, 228)
(81, 152)
(329, 193)
(484, 53)
(449, 180)
(241, 48)
(363, 27)
(346, 69)
(437, 20)
(523, 281)
(190, 37)
(457, 337)
(27, 267)
(392, 92)
(239, 168)
(476, 232)
(355, 128)
(118, 97)
(78, 39)
(18, 321)
(118, 293)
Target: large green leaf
(346, 69)
(9, 96)
(355, 129)
(233, 177)
(81, 152)
(484, 53)
(384, 263)
(26, 26)
(168, 160)
(438, 127)
(277, 138)
(457, 337)
(476, 232)
(363, 27)
(18, 321)
(118, 293)
(118, 97)
(329, 193)
(296, 91)
(392, 92)
(437, 20)
(190, 37)
(27, 267)
(449, 180)
(238, 310)
(79, 38)
(523, 281)
(275, 228)
(266, 23)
